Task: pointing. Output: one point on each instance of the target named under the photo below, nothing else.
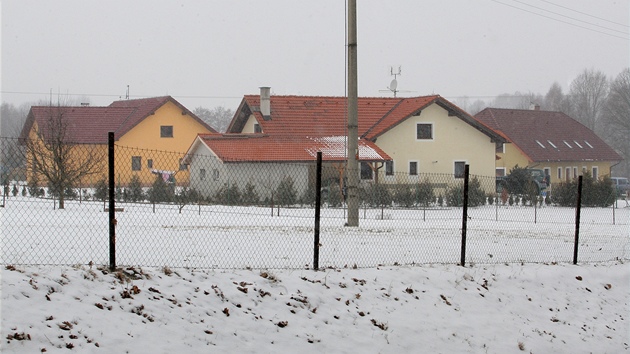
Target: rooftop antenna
(127, 94)
(393, 86)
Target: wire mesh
(197, 211)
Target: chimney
(534, 107)
(265, 102)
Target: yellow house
(550, 141)
(151, 135)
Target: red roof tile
(90, 125)
(327, 116)
(266, 148)
(547, 136)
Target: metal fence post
(465, 214)
(578, 208)
(112, 202)
(318, 198)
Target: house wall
(513, 156)
(510, 157)
(265, 177)
(249, 125)
(144, 141)
(453, 140)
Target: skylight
(578, 144)
(550, 143)
(567, 144)
(589, 145)
(541, 145)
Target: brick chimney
(265, 102)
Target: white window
(366, 171)
(560, 173)
(500, 171)
(424, 131)
(595, 172)
(389, 168)
(257, 128)
(413, 168)
(459, 169)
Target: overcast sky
(210, 53)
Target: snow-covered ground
(185, 297)
(531, 308)
(228, 237)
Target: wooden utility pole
(353, 121)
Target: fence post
(578, 208)
(112, 202)
(465, 215)
(318, 199)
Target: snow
(272, 304)
(537, 308)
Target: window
(460, 167)
(182, 166)
(500, 171)
(166, 131)
(202, 174)
(567, 174)
(366, 170)
(257, 128)
(595, 172)
(575, 174)
(560, 173)
(424, 131)
(389, 168)
(215, 174)
(136, 163)
(413, 168)
(547, 175)
(150, 163)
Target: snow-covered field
(212, 236)
(211, 279)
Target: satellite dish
(393, 85)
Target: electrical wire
(558, 20)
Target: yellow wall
(514, 156)
(144, 140)
(453, 140)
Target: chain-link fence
(197, 211)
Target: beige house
(420, 134)
(550, 141)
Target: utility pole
(353, 121)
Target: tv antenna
(393, 86)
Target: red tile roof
(90, 125)
(547, 136)
(326, 116)
(266, 148)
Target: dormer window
(257, 128)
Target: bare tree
(616, 117)
(556, 100)
(218, 118)
(588, 95)
(50, 152)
